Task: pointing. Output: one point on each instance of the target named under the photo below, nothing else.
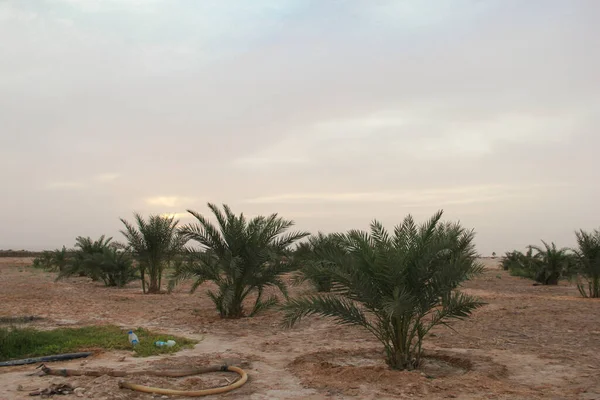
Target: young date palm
(553, 263)
(240, 256)
(525, 265)
(588, 262)
(397, 286)
(311, 256)
(78, 262)
(154, 243)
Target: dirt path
(527, 343)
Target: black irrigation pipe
(58, 357)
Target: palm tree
(588, 261)
(55, 260)
(524, 265)
(97, 259)
(240, 256)
(397, 286)
(553, 263)
(310, 255)
(154, 244)
(78, 261)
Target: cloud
(416, 133)
(107, 177)
(268, 161)
(168, 201)
(58, 185)
(412, 198)
(340, 109)
(94, 6)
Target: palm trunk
(399, 355)
(155, 273)
(143, 277)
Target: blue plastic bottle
(133, 339)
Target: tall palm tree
(552, 263)
(240, 256)
(154, 243)
(397, 285)
(588, 262)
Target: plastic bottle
(133, 339)
(168, 343)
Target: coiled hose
(173, 374)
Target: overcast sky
(330, 113)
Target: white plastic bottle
(133, 339)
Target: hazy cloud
(333, 113)
(107, 177)
(64, 185)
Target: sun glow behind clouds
(168, 201)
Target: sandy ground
(529, 342)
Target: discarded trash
(133, 339)
(168, 343)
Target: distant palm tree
(154, 243)
(310, 256)
(240, 256)
(397, 286)
(588, 262)
(99, 260)
(552, 263)
(54, 260)
(84, 248)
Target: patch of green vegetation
(17, 343)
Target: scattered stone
(61, 389)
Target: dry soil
(528, 342)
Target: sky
(331, 113)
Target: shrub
(588, 262)
(154, 243)
(397, 286)
(240, 256)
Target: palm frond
(343, 311)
